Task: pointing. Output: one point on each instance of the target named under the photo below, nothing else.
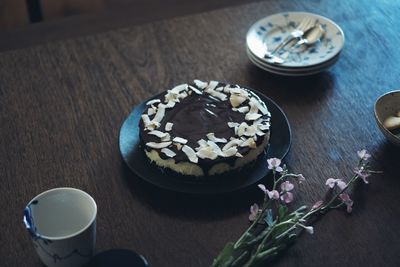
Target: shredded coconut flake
(207, 153)
(232, 143)
(200, 84)
(194, 89)
(158, 133)
(158, 145)
(264, 127)
(230, 152)
(236, 100)
(202, 143)
(170, 104)
(166, 138)
(249, 142)
(252, 116)
(180, 140)
(250, 131)
(149, 125)
(260, 106)
(212, 85)
(219, 95)
(233, 124)
(211, 136)
(160, 113)
(242, 128)
(168, 126)
(153, 101)
(179, 88)
(151, 111)
(171, 96)
(146, 119)
(214, 147)
(244, 109)
(168, 152)
(190, 153)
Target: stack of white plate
(269, 32)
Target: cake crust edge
(192, 169)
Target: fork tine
(303, 23)
(306, 24)
(300, 25)
(312, 23)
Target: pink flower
(317, 204)
(263, 188)
(363, 154)
(287, 186)
(301, 178)
(254, 210)
(273, 164)
(331, 182)
(273, 194)
(341, 184)
(347, 201)
(363, 175)
(287, 197)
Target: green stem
(296, 222)
(255, 222)
(263, 209)
(285, 176)
(288, 230)
(274, 174)
(327, 205)
(260, 246)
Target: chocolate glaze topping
(193, 118)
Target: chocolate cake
(204, 128)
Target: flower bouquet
(274, 225)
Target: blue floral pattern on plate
(272, 30)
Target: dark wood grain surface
(63, 103)
(105, 15)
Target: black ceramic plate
(118, 258)
(134, 156)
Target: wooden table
(63, 103)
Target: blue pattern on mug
(28, 219)
(40, 242)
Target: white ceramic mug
(62, 223)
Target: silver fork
(304, 25)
